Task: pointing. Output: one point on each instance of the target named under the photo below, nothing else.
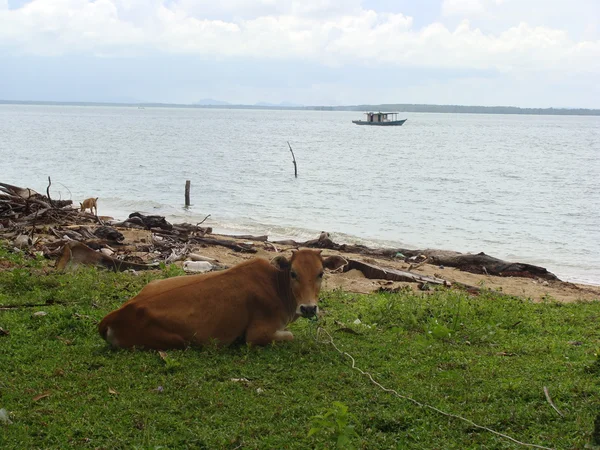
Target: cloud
(323, 31)
(462, 7)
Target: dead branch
(547, 394)
(26, 208)
(203, 220)
(294, 158)
(268, 244)
(29, 305)
(48, 190)
(416, 266)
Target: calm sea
(523, 188)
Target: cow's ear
(280, 262)
(334, 262)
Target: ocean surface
(520, 188)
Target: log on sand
(376, 272)
(479, 263)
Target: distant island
(397, 107)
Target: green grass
(485, 358)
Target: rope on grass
(422, 405)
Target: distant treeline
(392, 107)
(460, 109)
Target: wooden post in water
(187, 193)
(295, 167)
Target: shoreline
(38, 225)
(535, 289)
(258, 228)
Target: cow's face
(306, 269)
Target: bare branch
(295, 166)
(203, 220)
(48, 191)
(547, 394)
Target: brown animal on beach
(254, 300)
(76, 253)
(91, 204)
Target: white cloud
(462, 7)
(318, 30)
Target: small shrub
(336, 424)
(437, 330)
(171, 270)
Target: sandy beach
(355, 281)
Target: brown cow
(255, 299)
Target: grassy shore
(487, 358)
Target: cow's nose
(308, 311)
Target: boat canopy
(381, 116)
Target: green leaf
(313, 431)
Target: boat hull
(391, 123)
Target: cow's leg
(263, 333)
(284, 335)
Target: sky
(528, 53)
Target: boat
(381, 119)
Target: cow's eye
(294, 275)
(320, 275)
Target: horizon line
(356, 107)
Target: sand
(354, 280)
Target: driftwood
(149, 222)
(76, 253)
(325, 242)
(24, 193)
(189, 228)
(249, 237)
(475, 263)
(109, 234)
(26, 207)
(235, 246)
(485, 264)
(377, 272)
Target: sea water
(518, 187)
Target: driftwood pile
(66, 234)
(479, 263)
(25, 207)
